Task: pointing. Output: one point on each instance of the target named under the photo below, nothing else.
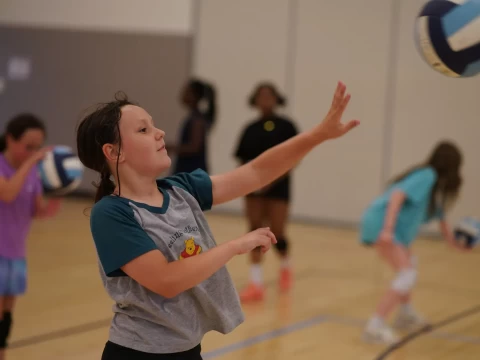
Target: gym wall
(305, 46)
(82, 52)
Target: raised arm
(10, 188)
(279, 159)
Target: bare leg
(9, 303)
(255, 212)
(397, 257)
(277, 214)
(406, 298)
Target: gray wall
(72, 70)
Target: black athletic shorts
(279, 190)
(113, 351)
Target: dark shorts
(279, 190)
(113, 351)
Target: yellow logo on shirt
(269, 125)
(191, 249)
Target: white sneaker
(380, 334)
(406, 320)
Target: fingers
(340, 101)
(345, 102)
(265, 243)
(338, 95)
(264, 238)
(266, 231)
(350, 125)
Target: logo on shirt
(191, 249)
(269, 125)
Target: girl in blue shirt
(392, 222)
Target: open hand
(331, 127)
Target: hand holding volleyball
(331, 127)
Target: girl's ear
(111, 153)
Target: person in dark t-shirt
(191, 150)
(270, 204)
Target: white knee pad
(405, 281)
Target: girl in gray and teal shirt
(158, 258)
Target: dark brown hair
(281, 100)
(97, 129)
(446, 160)
(203, 90)
(18, 125)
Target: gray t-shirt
(123, 229)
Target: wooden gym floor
(65, 314)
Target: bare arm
(281, 158)
(10, 188)
(446, 232)
(264, 169)
(46, 208)
(395, 203)
(173, 278)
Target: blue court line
(465, 339)
(264, 337)
(323, 319)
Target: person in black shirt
(271, 204)
(192, 148)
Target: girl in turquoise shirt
(392, 222)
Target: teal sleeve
(118, 236)
(418, 184)
(197, 183)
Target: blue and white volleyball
(467, 231)
(447, 35)
(61, 171)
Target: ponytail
(3, 143)
(17, 126)
(105, 187)
(205, 95)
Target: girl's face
(21, 149)
(143, 147)
(265, 100)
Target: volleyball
(61, 171)
(467, 231)
(447, 35)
